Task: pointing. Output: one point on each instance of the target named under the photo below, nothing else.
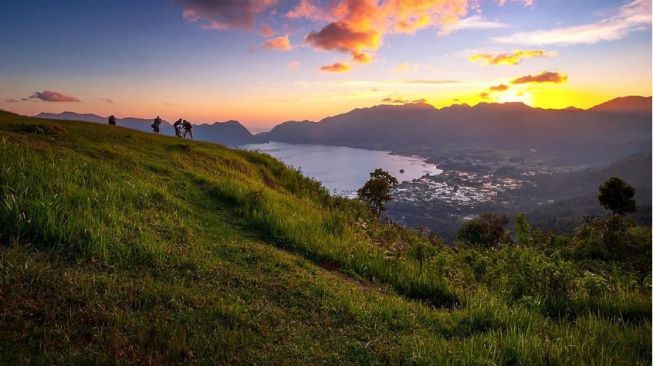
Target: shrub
(615, 238)
(488, 230)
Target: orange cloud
(293, 65)
(359, 25)
(499, 88)
(336, 67)
(484, 95)
(544, 77)
(280, 43)
(512, 58)
(362, 57)
(342, 37)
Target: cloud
(342, 37)
(12, 100)
(499, 88)
(512, 58)
(475, 22)
(53, 96)
(224, 14)
(293, 65)
(266, 30)
(306, 9)
(107, 100)
(544, 77)
(362, 57)
(280, 43)
(336, 67)
(356, 27)
(360, 25)
(402, 100)
(484, 95)
(631, 17)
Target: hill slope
(230, 133)
(118, 246)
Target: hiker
(188, 129)
(177, 126)
(112, 120)
(156, 124)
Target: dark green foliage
(377, 190)
(615, 238)
(617, 196)
(488, 230)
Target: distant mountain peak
(629, 104)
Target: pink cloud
(53, 96)
(266, 30)
(280, 43)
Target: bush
(488, 230)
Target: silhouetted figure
(188, 129)
(177, 125)
(112, 120)
(156, 124)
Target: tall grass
(302, 225)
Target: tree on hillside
(488, 230)
(617, 196)
(377, 190)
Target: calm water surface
(344, 170)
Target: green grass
(120, 247)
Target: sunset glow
(267, 61)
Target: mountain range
(613, 129)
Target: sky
(263, 62)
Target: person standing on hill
(112, 120)
(156, 124)
(188, 129)
(177, 126)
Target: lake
(343, 170)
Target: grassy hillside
(120, 247)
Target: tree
(488, 230)
(617, 196)
(522, 229)
(376, 191)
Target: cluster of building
(457, 188)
